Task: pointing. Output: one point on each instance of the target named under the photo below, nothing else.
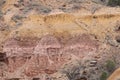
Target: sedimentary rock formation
(58, 40)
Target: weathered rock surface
(58, 40)
(46, 55)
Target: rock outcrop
(58, 40)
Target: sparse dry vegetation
(114, 2)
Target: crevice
(82, 78)
(118, 39)
(36, 79)
(13, 79)
(3, 58)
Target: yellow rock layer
(115, 75)
(99, 25)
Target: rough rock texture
(58, 40)
(46, 55)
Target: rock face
(46, 55)
(58, 40)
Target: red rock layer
(46, 55)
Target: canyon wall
(42, 41)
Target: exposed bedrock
(33, 56)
